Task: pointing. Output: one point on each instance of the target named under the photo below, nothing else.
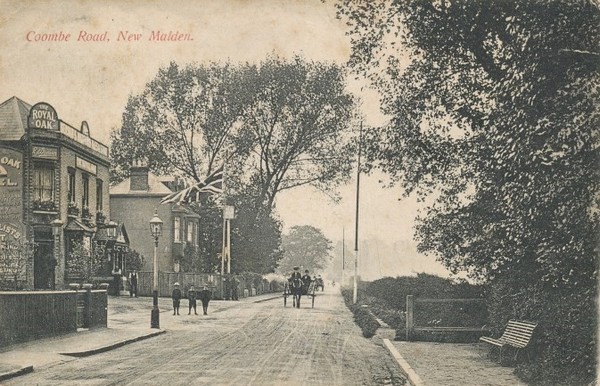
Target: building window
(195, 233)
(177, 230)
(85, 197)
(99, 195)
(43, 184)
(190, 232)
(71, 185)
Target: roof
(13, 119)
(155, 187)
(120, 238)
(78, 226)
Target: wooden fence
(29, 315)
(247, 286)
(411, 328)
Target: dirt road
(250, 344)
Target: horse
(296, 290)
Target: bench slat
(493, 341)
(522, 323)
(515, 331)
(516, 335)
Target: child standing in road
(176, 296)
(205, 296)
(192, 300)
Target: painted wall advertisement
(11, 195)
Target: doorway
(43, 261)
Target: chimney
(138, 174)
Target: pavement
(447, 364)
(423, 363)
(127, 323)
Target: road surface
(249, 344)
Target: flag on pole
(211, 185)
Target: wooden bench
(517, 335)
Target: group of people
(132, 280)
(204, 295)
(231, 287)
(305, 280)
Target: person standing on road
(204, 297)
(176, 296)
(133, 282)
(227, 287)
(116, 273)
(191, 295)
(235, 283)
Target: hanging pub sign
(43, 116)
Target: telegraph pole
(355, 291)
(343, 255)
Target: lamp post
(56, 230)
(155, 229)
(111, 233)
(228, 215)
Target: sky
(97, 63)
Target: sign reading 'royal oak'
(43, 116)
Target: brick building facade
(50, 170)
(133, 202)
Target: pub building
(54, 180)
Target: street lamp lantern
(111, 229)
(56, 227)
(155, 230)
(156, 226)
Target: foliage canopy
(495, 122)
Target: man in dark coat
(306, 280)
(116, 273)
(296, 274)
(176, 296)
(235, 283)
(204, 297)
(192, 300)
(133, 282)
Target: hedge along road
(249, 344)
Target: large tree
(307, 247)
(184, 118)
(299, 123)
(496, 112)
(255, 235)
(279, 125)
(495, 119)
